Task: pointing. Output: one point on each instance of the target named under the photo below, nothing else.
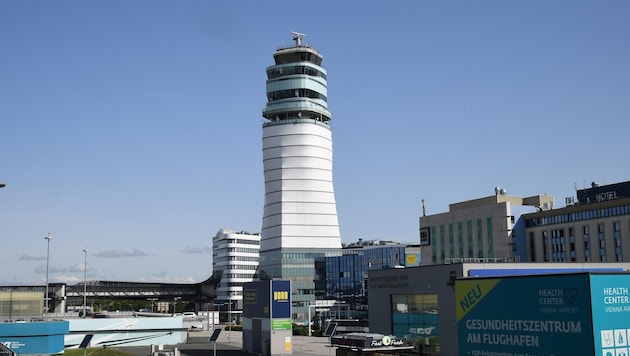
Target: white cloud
(120, 253)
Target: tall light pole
(48, 238)
(230, 316)
(85, 251)
(175, 299)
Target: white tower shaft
(300, 215)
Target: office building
(343, 278)
(479, 230)
(300, 215)
(236, 254)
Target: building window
(578, 216)
(587, 243)
(469, 233)
(532, 246)
(442, 244)
(416, 316)
(602, 242)
(490, 238)
(558, 245)
(545, 246)
(572, 244)
(479, 239)
(451, 242)
(460, 239)
(434, 247)
(617, 235)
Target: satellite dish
(300, 114)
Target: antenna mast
(298, 37)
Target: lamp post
(85, 251)
(47, 238)
(229, 315)
(152, 300)
(175, 305)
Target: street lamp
(152, 300)
(229, 315)
(47, 238)
(85, 251)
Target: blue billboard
(610, 301)
(526, 315)
(280, 299)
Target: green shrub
(300, 330)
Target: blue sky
(134, 127)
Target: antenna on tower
(298, 37)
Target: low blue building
(34, 338)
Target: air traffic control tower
(300, 216)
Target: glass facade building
(343, 278)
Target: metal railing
(506, 259)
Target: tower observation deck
(296, 84)
(300, 215)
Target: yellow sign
(281, 296)
(468, 292)
(411, 260)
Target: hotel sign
(598, 194)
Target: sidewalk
(230, 343)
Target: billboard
(610, 302)
(525, 315)
(280, 299)
(269, 299)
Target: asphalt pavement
(230, 343)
